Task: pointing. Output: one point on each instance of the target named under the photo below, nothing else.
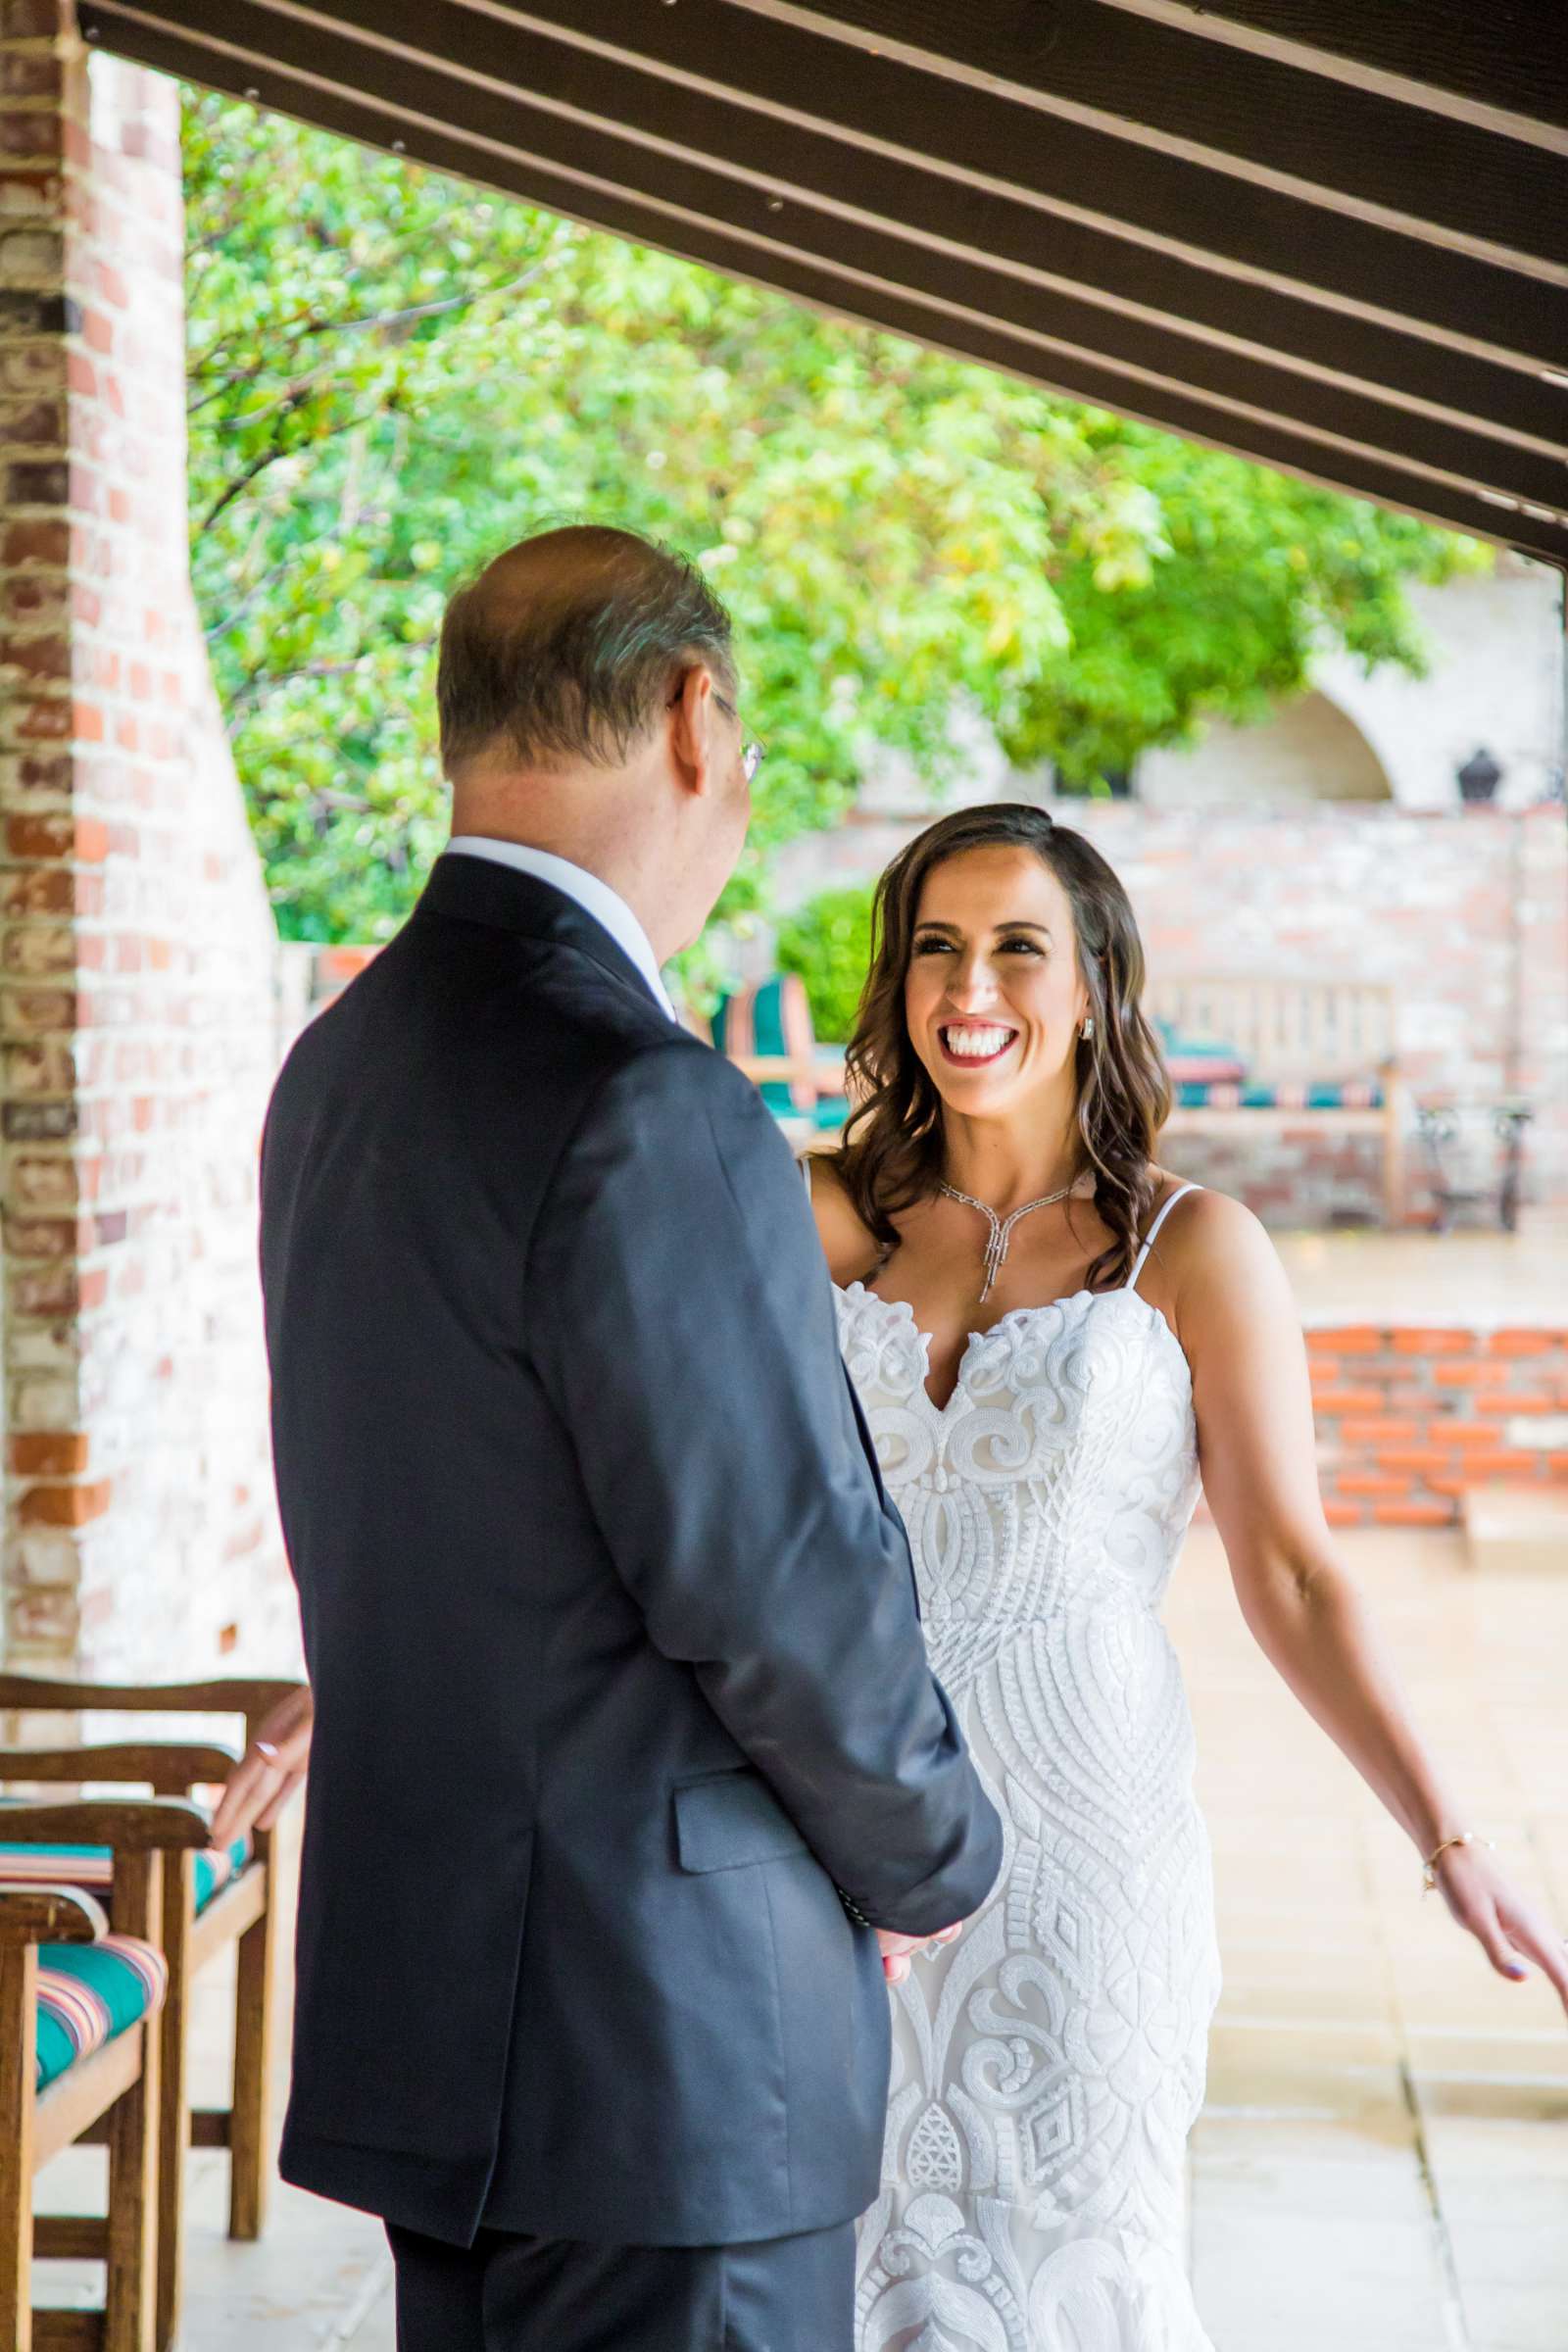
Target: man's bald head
(564, 650)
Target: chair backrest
(1284, 1028)
(768, 1031)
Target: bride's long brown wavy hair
(893, 1151)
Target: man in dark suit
(624, 1740)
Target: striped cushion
(92, 1867)
(1349, 1093)
(89, 1993)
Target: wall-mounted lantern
(1478, 777)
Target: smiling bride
(1053, 1340)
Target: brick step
(1517, 1527)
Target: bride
(1052, 1339)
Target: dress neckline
(901, 1308)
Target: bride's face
(993, 996)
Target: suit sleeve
(681, 1320)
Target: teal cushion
(771, 1020)
(1362, 1093)
(92, 1867)
(89, 1993)
(1199, 1061)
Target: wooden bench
(107, 2093)
(1314, 1053)
(242, 1912)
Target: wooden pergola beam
(986, 222)
(573, 170)
(907, 179)
(953, 267)
(1172, 89)
(664, 66)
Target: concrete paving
(1383, 2160)
(1474, 1278)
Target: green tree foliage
(1248, 575)
(394, 374)
(828, 942)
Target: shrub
(828, 942)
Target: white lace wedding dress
(1047, 2067)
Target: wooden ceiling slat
(1509, 59)
(763, 254)
(696, 126)
(1250, 116)
(1123, 191)
(882, 108)
(996, 229)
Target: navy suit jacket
(610, 1626)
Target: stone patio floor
(1471, 1278)
(1383, 2163)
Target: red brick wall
(1409, 1419)
(137, 1020)
(1464, 913)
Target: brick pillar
(137, 948)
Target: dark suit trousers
(540, 2295)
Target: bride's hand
(1509, 1929)
(271, 1768)
(899, 1951)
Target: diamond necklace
(1001, 1235)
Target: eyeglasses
(751, 745)
(753, 749)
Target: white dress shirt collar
(596, 898)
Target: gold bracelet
(1429, 1875)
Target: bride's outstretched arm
(1238, 1323)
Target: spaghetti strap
(806, 1172)
(1180, 1194)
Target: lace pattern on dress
(1048, 2066)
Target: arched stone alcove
(1309, 750)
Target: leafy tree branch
(394, 374)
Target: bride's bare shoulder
(1207, 1232)
(848, 1244)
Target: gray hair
(566, 647)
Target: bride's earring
(1088, 1029)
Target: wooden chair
(767, 1031)
(243, 1912)
(108, 2091)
